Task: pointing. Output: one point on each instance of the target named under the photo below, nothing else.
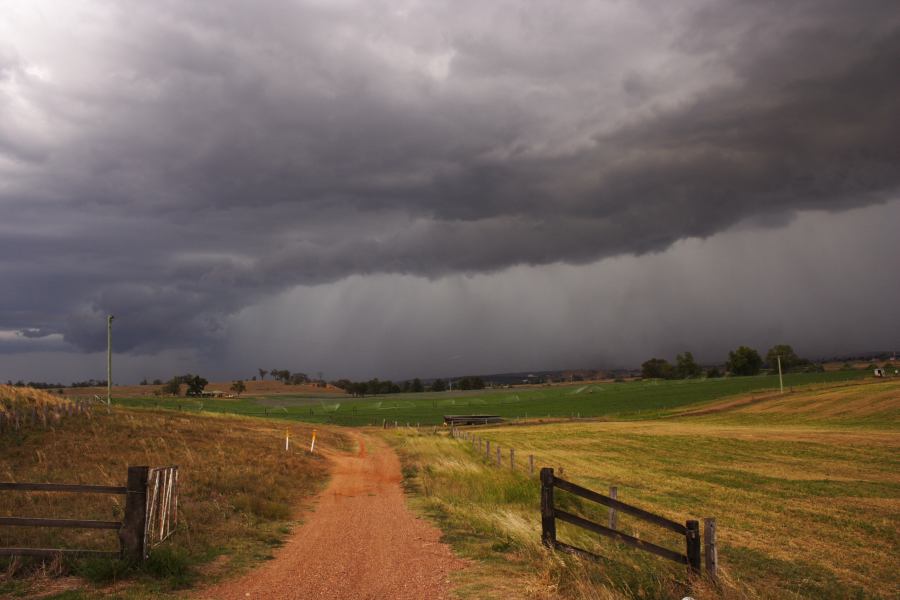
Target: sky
(401, 188)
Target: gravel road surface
(360, 541)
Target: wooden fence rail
(690, 529)
(137, 533)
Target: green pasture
(624, 400)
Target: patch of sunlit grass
(239, 489)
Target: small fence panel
(162, 506)
(690, 530)
(151, 510)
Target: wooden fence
(690, 530)
(151, 500)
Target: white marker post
(287, 440)
(312, 445)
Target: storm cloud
(177, 163)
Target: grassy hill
(805, 487)
(24, 397)
(238, 492)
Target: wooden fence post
(512, 459)
(531, 464)
(709, 542)
(499, 459)
(613, 516)
(548, 519)
(131, 536)
(487, 448)
(692, 538)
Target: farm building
(471, 419)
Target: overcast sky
(401, 188)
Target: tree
(744, 361)
(195, 386)
(172, 387)
(417, 386)
(438, 385)
(238, 387)
(789, 358)
(298, 378)
(656, 368)
(713, 372)
(686, 367)
(262, 374)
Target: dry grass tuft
(12, 397)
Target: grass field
(805, 487)
(238, 493)
(628, 400)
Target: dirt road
(361, 541)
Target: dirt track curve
(361, 541)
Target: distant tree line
(376, 387)
(285, 376)
(38, 385)
(742, 361)
(195, 385)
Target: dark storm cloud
(173, 163)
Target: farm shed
(472, 419)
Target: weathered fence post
(487, 448)
(131, 536)
(709, 542)
(531, 464)
(692, 538)
(499, 458)
(613, 515)
(548, 520)
(512, 459)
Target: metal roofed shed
(472, 419)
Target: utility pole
(780, 379)
(109, 320)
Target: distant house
(212, 394)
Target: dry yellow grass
(25, 397)
(239, 489)
(851, 401)
(806, 490)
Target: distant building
(472, 419)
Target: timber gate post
(692, 537)
(131, 536)
(548, 519)
(709, 542)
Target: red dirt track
(361, 541)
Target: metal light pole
(109, 320)
(780, 379)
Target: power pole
(109, 320)
(780, 379)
